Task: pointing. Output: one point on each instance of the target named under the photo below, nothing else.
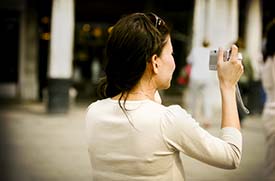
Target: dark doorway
(9, 42)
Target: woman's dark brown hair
(131, 43)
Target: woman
(131, 135)
(268, 81)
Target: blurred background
(28, 72)
(52, 56)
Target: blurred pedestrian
(199, 101)
(268, 81)
(130, 134)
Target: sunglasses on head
(157, 21)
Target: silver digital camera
(213, 58)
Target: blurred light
(45, 20)
(45, 36)
(97, 32)
(110, 29)
(86, 27)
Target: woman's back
(146, 144)
(121, 151)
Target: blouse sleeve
(182, 133)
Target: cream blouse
(146, 146)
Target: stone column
(28, 53)
(217, 21)
(253, 43)
(253, 35)
(61, 55)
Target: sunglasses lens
(152, 18)
(160, 22)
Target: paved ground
(35, 146)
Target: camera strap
(240, 100)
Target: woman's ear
(154, 62)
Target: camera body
(213, 58)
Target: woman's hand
(229, 72)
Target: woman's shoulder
(98, 103)
(175, 113)
(177, 121)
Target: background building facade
(28, 40)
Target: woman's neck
(138, 93)
(144, 89)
